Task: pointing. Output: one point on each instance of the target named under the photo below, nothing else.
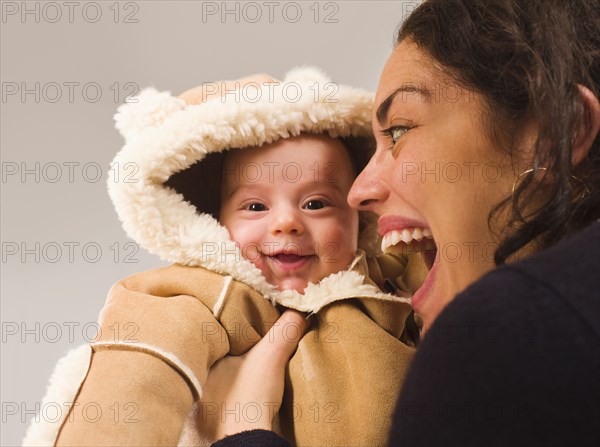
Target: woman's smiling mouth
(402, 236)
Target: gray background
(47, 302)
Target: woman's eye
(394, 133)
(314, 204)
(256, 207)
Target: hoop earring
(586, 190)
(528, 171)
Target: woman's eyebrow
(384, 107)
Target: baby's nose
(287, 222)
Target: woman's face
(435, 170)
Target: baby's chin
(297, 284)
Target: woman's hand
(245, 392)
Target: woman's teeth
(407, 235)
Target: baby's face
(285, 205)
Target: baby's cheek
(341, 243)
(245, 240)
(250, 252)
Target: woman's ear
(589, 126)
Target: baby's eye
(314, 204)
(256, 207)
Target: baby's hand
(215, 90)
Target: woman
(487, 122)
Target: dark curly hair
(526, 57)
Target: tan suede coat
(341, 384)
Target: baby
(285, 205)
(270, 228)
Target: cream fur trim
(335, 287)
(224, 291)
(149, 109)
(65, 382)
(164, 136)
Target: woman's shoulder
(571, 267)
(515, 355)
(559, 284)
(535, 317)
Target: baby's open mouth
(291, 261)
(288, 257)
(410, 241)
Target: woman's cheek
(409, 183)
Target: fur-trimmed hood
(165, 198)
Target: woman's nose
(368, 190)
